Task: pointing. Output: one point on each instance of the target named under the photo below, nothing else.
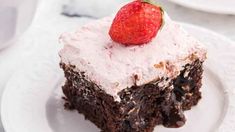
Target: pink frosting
(115, 67)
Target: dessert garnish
(136, 23)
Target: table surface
(12, 58)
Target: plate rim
(221, 11)
(6, 89)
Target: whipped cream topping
(115, 67)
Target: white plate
(214, 6)
(32, 99)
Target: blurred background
(23, 21)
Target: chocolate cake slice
(134, 88)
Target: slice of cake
(132, 73)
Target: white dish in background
(15, 17)
(32, 99)
(213, 6)
(93, 8)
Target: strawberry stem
(153, 2)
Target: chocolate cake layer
(141, 107)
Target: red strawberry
(136, 23)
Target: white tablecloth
(12, 58)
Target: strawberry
(136, 23)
